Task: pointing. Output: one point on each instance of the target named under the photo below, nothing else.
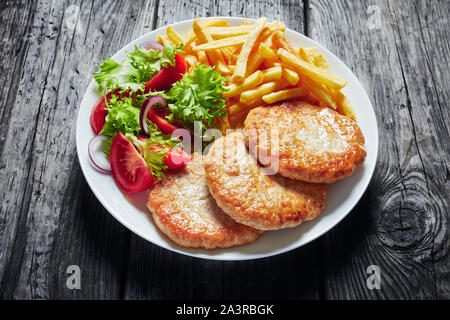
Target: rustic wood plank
(402, 223)
(155, 273)
(49, 218)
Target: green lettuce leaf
(197, 97)
(139, 67)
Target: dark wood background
(49, 218)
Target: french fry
(271, 74)
(344, 105)
(215, 57)
(241, 63)
(281, 42)
(234, 56)
(236, 108)
(255, 61)
(291, 76)
(281, 84)
(321, 62)
(316, 58)
(223, 123)
(174, 36)
(320, 92)
(226, 53)
(267, 52)
(251, 95)
(311, 71)
(190, 37)
(284, 95)
(191, 60)
(222, 43)
(250, 82)
(310, 51)
(305, 56)
(276, 25)
(202, 58)
(270, 63)
(226, 32)
(164, 41)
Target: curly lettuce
(139, 67)
(197, 97)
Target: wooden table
(50, 219)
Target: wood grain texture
(50, 219)
(405, 222)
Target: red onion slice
(152, 45)
(146, 108)
(96, 154)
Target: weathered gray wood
(49, 217)
(156, 273)
(402, 223)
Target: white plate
(342, 196)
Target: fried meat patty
(309, 143)
(185, 211)
(253, 198)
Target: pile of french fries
(262, 67)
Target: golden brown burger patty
(250, 197)
(310, 143)
(185, 211)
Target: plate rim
(319, 234)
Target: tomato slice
(180, 64)
(164, 79)
(175, 158)
(99, 112)
(98, 116)
(128, 168)
(158, 116)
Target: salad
(147, 99)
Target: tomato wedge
(164, 79)
(99, 113)
(158, 116)
(98, 116)
(175, 158)
(128, 168)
